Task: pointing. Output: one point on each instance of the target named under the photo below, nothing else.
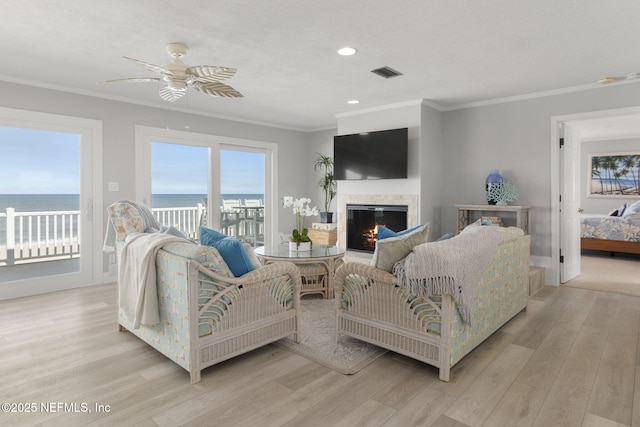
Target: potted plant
(299, 239)
(328, 185)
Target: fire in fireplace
(363, 222)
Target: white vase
(300, 247)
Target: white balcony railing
(38, 236)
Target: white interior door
(569, 205)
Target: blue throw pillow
(385, 233)
(230, 249)
(209, 236)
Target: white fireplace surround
(409, 200)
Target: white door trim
(555, 177)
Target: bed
(612, 233)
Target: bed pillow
(392, 249)
(385, 233)
(230, 248)
(633, 211)
(619, 211)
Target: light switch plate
(114, 186)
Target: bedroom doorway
(589, 130)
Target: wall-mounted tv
(371, 155)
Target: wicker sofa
(207, 315)
(374, 307)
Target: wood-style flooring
(571, 359)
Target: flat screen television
(371, 155)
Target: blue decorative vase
(493, 178)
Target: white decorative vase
(300, 247)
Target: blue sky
(179, 169)
(38, 162)
(46, 162)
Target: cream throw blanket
(454, 266)
(137, 290)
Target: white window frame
(145, 135)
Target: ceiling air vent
(386, 72)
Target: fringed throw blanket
(137, 290)
(453, 267)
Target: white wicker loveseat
(206, 315)
(374, 307)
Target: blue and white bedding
(605, 227)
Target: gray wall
(515, 138)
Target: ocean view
(70, 202)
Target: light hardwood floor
(571, 359)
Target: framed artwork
(614, 175)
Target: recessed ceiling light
(346, 51)
(353, 101)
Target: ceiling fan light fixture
(177, 85)
(347, 51)
(606, 80)
(179, 76)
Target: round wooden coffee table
(317, 266)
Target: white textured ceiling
(452, 52)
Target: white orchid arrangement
(301, 209)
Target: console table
(464, 213)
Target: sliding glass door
(196, 179)
(46, 203)
(242, 189)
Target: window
(190, 175)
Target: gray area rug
(318, 325)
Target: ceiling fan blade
(217, 89)
(133, 80)
(150, 67)
(211, 72)
(171, 95)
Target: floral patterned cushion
(125, 219)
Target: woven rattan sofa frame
(382, 315)
(235, 336)
(411, 339)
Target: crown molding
(534, 95)
(171, 107)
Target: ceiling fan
(180, 76)
(607, 80)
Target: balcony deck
(30, 251)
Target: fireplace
(363, 220)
